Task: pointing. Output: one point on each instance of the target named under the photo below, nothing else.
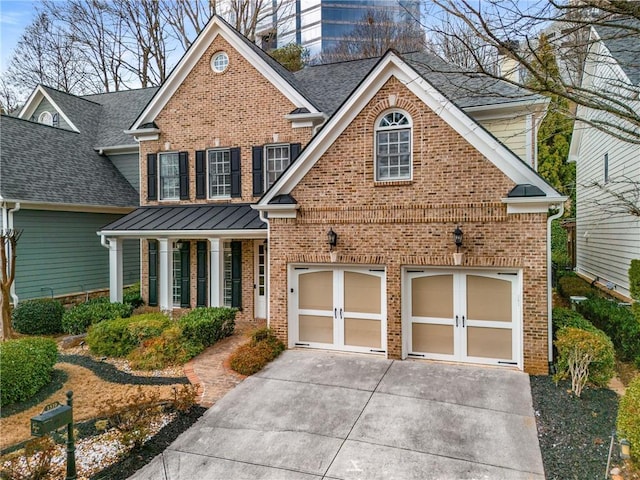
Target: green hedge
(592, 342)
(618, 322)
(573, 286)
(208, 325)
(252, 357)
(629, 418)
(565, 317)
(79, 318)
(40, 316)
(170, 348)
(634, 279)
(119, 337)
(26, 365)
(131, 295)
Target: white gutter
(10, 213)
(550, 281)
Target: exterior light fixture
(625, 449)
(457, 238)
(332, 240)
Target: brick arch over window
(391, 102)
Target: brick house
(248, 167)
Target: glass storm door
(338, 308)
(260, 277)
(463, 316)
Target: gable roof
(280, 78)
(623, 43)
(43, 164)
(54, 97)
(392, 65)
(329, 85)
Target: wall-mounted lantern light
(332, 239)
(457, 238)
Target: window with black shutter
(201, 174)
(152, 176)
(183, 167)
(201, 296)
(153, 273)
(257, 170)
(236, 274)
(185, 269)
(235, 172)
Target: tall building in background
(319, 25)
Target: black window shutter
(294, 151)
(235, 172)
(236, 274)
(183, 166)
(201, 174)
(152, 176)
(153, 273)
(201, 298)
(185, 275)
(258, 170)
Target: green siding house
(67, 169)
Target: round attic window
(46, 118)
(219, 62)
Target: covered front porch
(194, 255)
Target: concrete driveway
(312, 415)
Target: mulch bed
(140, 457)
(574, 433)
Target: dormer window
(46, 118)
(393, 147)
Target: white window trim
(160, 198)
(265, 161)
(208, 177)
(378, 129)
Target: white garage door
(465, 316)
(339, 308)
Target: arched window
(46, 118)
(393, 147)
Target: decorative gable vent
(46, 118)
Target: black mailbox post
(52, 418)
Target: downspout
(9, 224)
(268, 259)
(550, 284)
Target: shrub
(170, 348)
(629, 418)
(586, 356)
(35, 463)
(565, 317)
(131, 296)
(634, 279)
(618, 322)
(79, 318)
(208, 325)
(253, 356)
(118, 337)
(574, 286)
(40, 316)
(26, 365)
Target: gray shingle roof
(189, 217)
(624, 45)
(119, 111)
(330, 84)
(46, 164)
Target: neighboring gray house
(66, 170)
(608, 240)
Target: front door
(340, 308)
(260, 279)
(466, 316)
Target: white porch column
(165, 274)
(115, 270)
(216, 269)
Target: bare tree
(618, 196)
(186, 19)
(376, 33)
(8, 243)
(252, 17)
(8, 97)
(511, 27)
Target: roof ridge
(116, 92)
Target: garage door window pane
(316, 329)
(427, 338)
(316, 291)
(489, 342)
(362, 333)
(362, 293)
(432, 296)
(488, 299)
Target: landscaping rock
(72, 341)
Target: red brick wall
(411, 222)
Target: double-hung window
(277, 159)
(393, 147)
(219, 167)
(169, 176)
